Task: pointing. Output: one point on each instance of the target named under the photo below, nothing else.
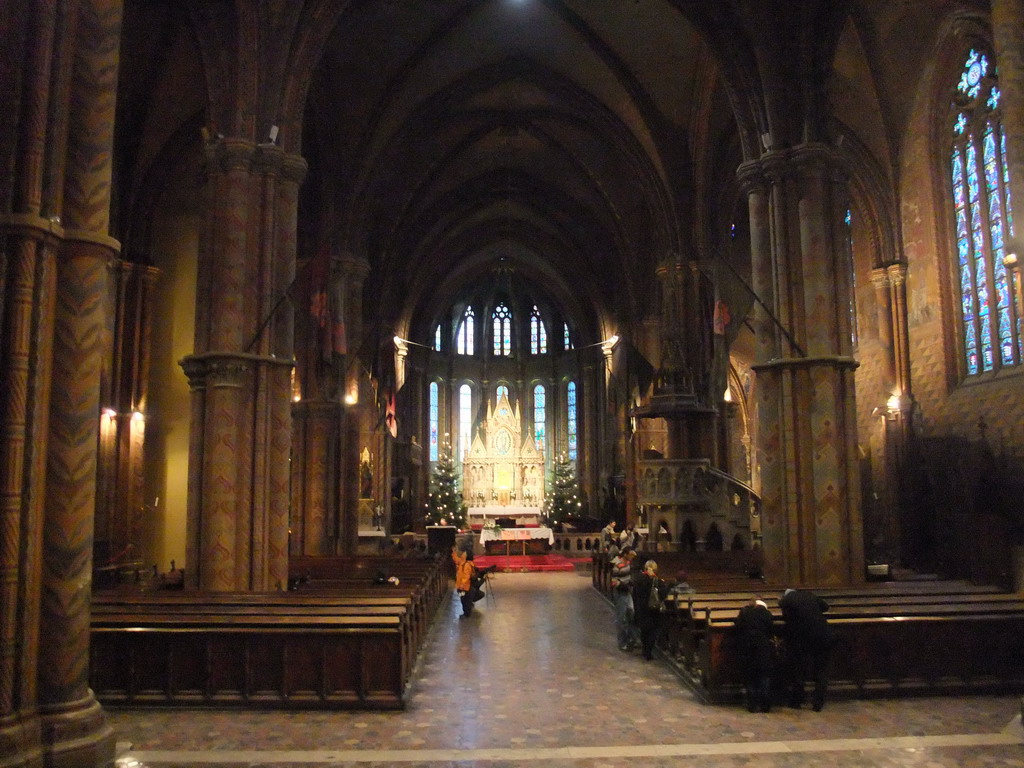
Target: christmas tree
(562, 500)
(445, 506)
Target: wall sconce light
(893, 403)
(138, 416)
(728, 395)
(110, 413)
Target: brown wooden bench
(293, 661)
(951, 652)
(687, 615)
(342, 641)
(890, 644)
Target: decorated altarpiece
(503, 470)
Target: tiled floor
(535, 678)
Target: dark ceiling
(443, 135)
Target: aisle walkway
(535, 679)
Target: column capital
(294, 168)
(809, 159)
(880, 278)
(897, 272)
(751, 177)
(353, 266)
(226, 155)
(212, 370)
(267, 159)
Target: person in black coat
(808, 644)
(754, 630)
(646, 609)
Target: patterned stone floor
(534, 678)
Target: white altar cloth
(516, 534)
(509, 511)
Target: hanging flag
(390, 417)
(721, 318)
(339, 339)
(320, 303)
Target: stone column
(811, 521)
(74, 728)
(75, 732)
(30, 231)
(237, 529)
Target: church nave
(534, 678)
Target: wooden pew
(241, 604)
(341, 642)
(932, 643)
(687, 615)
(292, 661)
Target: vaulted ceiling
(442, 136)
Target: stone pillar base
(19, 743)
(77, 735)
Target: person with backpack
(465, 572)
(468, 579)
(649, 592)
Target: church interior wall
(174, 247)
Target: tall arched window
(501, 390)
(502, 319)
(538, 334)
(464, 338)
(465, 419)
(992, 331)
(434, 410)
(566, 339)
(539, 411)
(570, 402)
(437, 338)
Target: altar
(502, 540)
(524, 516)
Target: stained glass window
(501, 390)
(464, 338)
(538, 333)
(570, 401)
(502, 319)
(983, 215)
(566, 340)
(538, 416)
(434, 411)
(465, 419)
(437, 338)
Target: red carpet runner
(525, 563)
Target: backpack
(654, 601)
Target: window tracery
(538, 333)
(464, 338)
(434, 408)
(502, 320)
(570, 402)
(539, 411)
(991, 325)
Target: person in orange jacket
(465, 571)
